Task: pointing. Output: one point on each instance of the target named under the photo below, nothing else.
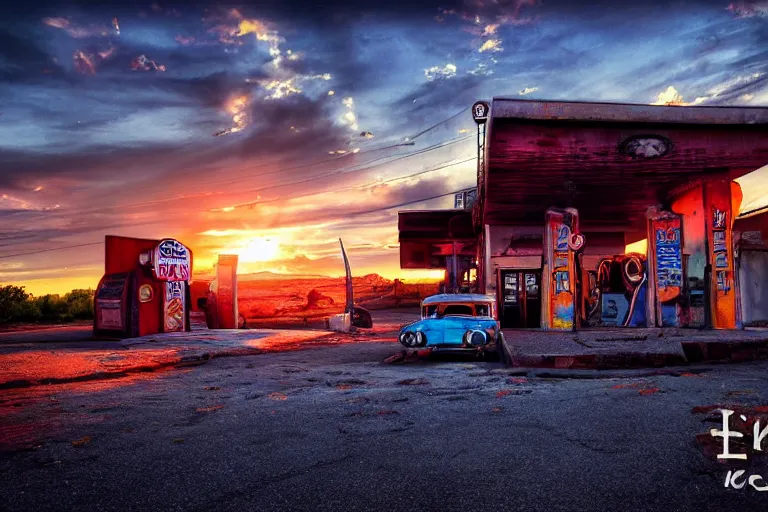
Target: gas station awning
(428, 237)
(590, 156)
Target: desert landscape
(272, 300)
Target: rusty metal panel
(626, 112)
(533, 166)
(435, 225)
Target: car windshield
(458, 310)
(440, 311)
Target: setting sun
(258, 249)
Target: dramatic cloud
(238, 108)
(143, 63)
(434, 72)
(491, 45)
(109, 113)
(749, 9)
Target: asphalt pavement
(334, 428)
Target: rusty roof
(541, 154)
(543, 110)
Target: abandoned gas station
(591, 215)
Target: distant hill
(272, 276)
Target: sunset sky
(272, 132)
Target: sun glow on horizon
(257, 250)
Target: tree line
(16, 305)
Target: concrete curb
(599, 361)
(728, 351)
(689, 352)
(592, 374)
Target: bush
(51, 307)
(16, 305)
(28, 312)
(80, 304)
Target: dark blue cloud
(109, 136)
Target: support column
(561, 242)
(226, 292)
(722, 200)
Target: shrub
(51, 307)
(15, 305)
(80, 304)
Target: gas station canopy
(610, 161)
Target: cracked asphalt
(334, 428)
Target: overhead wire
(354, 169)
(351, 169)
(362, 212)
(373, 184)
(343, 172)
(299, 196)
(408, 141)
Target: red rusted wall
(226, 291)
(535, 165)
(754, 224)
(121, 254)
(198, 290)
(149, 312)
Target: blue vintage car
(455, 322)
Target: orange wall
(691, 206)
(720, 197)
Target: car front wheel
(408, 339)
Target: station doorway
(519, 298)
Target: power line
(299, 196)
(457, 114)
(327, 160)
(366, 185)
(376, 210)
(407, 142)
(145, 203)
(342, 172)
(354, 168)
(50, 250)
(364, 212)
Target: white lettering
(755, 478)
(726, 434)
(172, 261)
(731, 479)
(758, 436)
